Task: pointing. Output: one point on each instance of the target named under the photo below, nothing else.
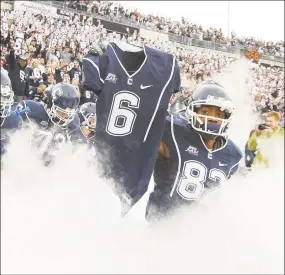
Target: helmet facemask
(59, 116)
(7, 100)
(89, 121)
(201, 123)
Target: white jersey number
(122, 118)
(194, 175)
(87, 94)
(37, 73)
(48, 139)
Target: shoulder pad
(234, 150)
(179, 119)
(33, 109)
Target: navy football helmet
(87, 115)
(212, 94)
(62, 103)
(7, 96)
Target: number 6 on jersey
(122, 118)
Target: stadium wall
(108, 25)
(34, 7)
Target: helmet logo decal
(83, 108)
(68, 110)
(210, 97)
(56, 93)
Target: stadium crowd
(47, 49)
(267, 88)
(167, 25)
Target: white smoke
(64, 219)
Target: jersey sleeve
(31, 111)
(233, 170)
(236, 156)
(74, 124)
(92, 78)
(176, 78)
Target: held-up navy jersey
(9, 125)
(191, 169)
(132, 105)
(47, 137)
(134, 90)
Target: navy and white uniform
(191, 170)
(9, 125)
(13, 121)
(78, 137)
(47, 137)
(133, 90)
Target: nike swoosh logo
(222, 164)
(145, 87)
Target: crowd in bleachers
(183, 27)
(156, 23)
(267, 88)
(263, 47)
(53, 49)
(49, 50)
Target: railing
(272, 58)
(203, 44)
(62, 5)
(219, 47)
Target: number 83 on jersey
(191, 185)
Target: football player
(10, 120)
(85, 134)
(54, 120)
(195, 153)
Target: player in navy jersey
(195, 154)
(85, 134)
(10, 120)
(134, 86)
(52, 122)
